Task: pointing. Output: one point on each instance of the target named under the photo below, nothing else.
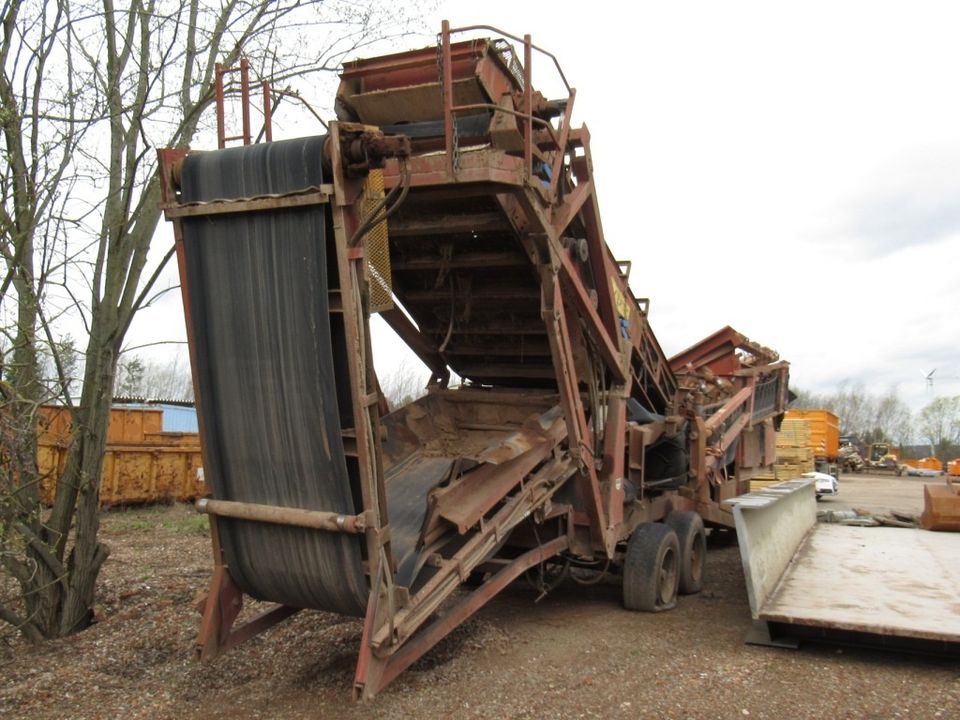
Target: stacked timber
(795, 456)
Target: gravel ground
(575, 654)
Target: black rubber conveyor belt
(265, 355)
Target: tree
(63, 368)
(138, 377)
(89, 90)
(129, 381)
(892, 420)
(871, 418)
(404, 385)
(939, 422)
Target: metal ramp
(883, 586)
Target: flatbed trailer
(458, 203)
(886, 587)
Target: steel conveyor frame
(223, 602)
(592, 324)
(390, 638)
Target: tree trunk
(82, 476)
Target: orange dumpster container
(141, 463)
(824, 431)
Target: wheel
(693, 549)
(651, 569)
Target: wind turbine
(929, 378)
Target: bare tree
(872, 418)
(80, 206)
(404, 385)
(939, 422)
(892, 421)
(155, 379)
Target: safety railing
(523, 75)
(246, 135)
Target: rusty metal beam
(467, 501)
(264, 621)
(580, 436)
(563, 215)
(447, 224)
(537, 349)
(475, 295)
(467, 260)
(509, 326)
(415, 340)
(507, 370)
(729, 407)
(479, 548)
(488, 168)
(352, 272)
(298, 517)
(524, 209)
(309, 196)
(716, 351)
(440, 628)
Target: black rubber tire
(693, 549)
(651, 569)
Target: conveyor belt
(408, 485)
(264, 366)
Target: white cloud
(788, 169)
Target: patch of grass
(136, 523)
(180, 518)
(188, 524)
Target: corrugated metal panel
(176, 417)
(179, 419)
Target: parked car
(824, 484)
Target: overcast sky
(790, 169)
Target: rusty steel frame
(579, 322)
(375, 673)
(392, 618)
(384, 653)
(224, 598)
(296, 517)
(220, 70)
(540, 222)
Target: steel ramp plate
(878, 580)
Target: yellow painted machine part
(376, 246)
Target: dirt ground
(879, 493)
(575, 654)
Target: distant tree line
(886, 418)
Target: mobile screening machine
(458, 203)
